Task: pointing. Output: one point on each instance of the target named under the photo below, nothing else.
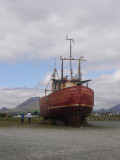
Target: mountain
(100, 110)
(4, 109)
(29, 105)
(114, 109)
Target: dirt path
(100, 141)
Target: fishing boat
(70, 100)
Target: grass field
(16, 121)
(38, 121)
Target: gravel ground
(99, 141)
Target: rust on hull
(71, 105)
(70, 101)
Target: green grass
(38, 121)
(16, 121)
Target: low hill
(4, 109)
(30, 105)
(114, 109)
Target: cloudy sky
(32, 33)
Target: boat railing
(71, 78)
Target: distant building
(11, 114)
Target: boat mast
(55, 73)
(61, 68)
(79, 71)
(70, 59)
(71, 40)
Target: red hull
(77, 100)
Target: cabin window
(59, 86)
(78, 84)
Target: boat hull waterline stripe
(67, 106)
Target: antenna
(71, 40)
(55, 70)
(55, 62)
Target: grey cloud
(30, 27)
(27, 27)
